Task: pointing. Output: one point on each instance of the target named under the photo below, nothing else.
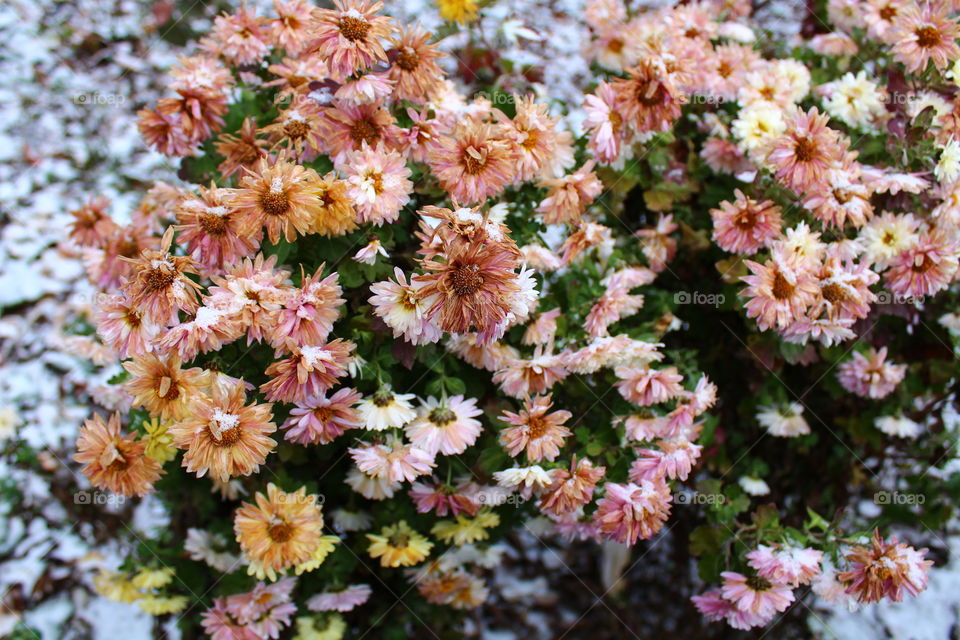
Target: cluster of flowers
(362, 130)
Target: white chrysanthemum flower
(348, 521)
(898, 426)
(369, 487)
(386, 410)
(754, 486)
(785, 422)
(948, 168)
(856, 100)
(202, 546)
(886, 236)
(797, 77)
(756, 126)
(527, 479)
(9, 422)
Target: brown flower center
(382, 398)
(834, 293)
(132, 318)
(781, 289)
(758, 584)
(888, 238)
(248, 153)
(167, 389)
(296, 129)
(442, 416)
(924, 265)
(408, 59)
(887, 13)
(354, 29)
(364, 131)
(466, 279)
(615, 45)
(213, 225)
(280, 531)
(473, 160)
(160, 278)
(536, 427)
(746, 219)
(275, 203)
(804, 149)
(226, 438)
(927, 36)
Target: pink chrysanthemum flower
(923, 32)
(351, 36)
(393, 461)
(445, 426)
(724, 156)
(414, 70)
(745, 226)
(123, 328)
(615, 304)
(870, 376)
(844, 199)
(844, 290)
(310, 371)
(648, 99)
(379, 183)
(443, 499)
(519, 377)
(403, 309)
(806, 151)
(755, 594)
(674, 458)
(309, 312)
(291, 29)
(473, 162)
(777, 294)
(344, 600)
(568, 197)
(241, 37)
(351, 127)
(542, 328)
(787, 565)
(571, 488)
(926, 267)
(208, 330)
(267, 608)
(221, 625)
(370, 88)
(320, 419)
(608, 132)
(644, 386)
(630, 512)
(210, 230)
(252, 292)
(164, 133)
(536, 430)
(533, 136)
(885, 570)
(714, 608)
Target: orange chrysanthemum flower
(414, 69)
(473, 163)
(280, 196)
(281, 530)
(162, 387)
(113, 461)
(223, 435)
(159, 286)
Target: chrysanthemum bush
(392, 315)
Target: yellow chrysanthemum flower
(399, 546)
(459, 11)
(159, 441)
(331, 627)
(152, 578)
(162, 605)
(116, 586)
(327, 544)
(465, 530)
